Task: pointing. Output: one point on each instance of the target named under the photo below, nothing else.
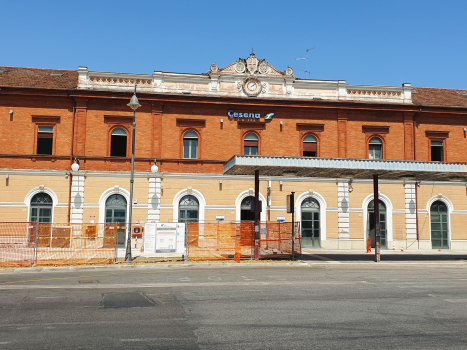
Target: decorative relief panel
(120, 81)
(253, 66)
(374, 93)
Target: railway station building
(199, 138)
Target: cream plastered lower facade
(343, 204)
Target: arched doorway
(310, 223)
(188, 209)
(246, 209)
(439, 225)
(41, 208)
(382, 223)
(115, 209)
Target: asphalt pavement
(314, 304)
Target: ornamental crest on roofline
(251, 66)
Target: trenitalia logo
(233, 114)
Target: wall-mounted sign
(219, 217)
(281, 218)
(247, 115)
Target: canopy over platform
(346, 168)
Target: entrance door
(310, 223)
(188, 209)
(115, 212)
(41, 208)
(439, 225)
(382, 223)
(245, 209)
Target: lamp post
(134, 104)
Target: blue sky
(363, 42)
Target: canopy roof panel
(346, 168)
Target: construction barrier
(17, 243)
(232, 240)
(25, 244)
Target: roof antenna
(306, 71)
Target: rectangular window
(251, 150)
(45, 138)
(190, 148)
(437, 151)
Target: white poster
(149, 238)
(166, 238)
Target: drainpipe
(71, 158)
(416, 213)
(417, 184)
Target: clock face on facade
(252, 87)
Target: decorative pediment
(251, 66)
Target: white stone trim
(450, 206)
(106, 194)
(185, 192)
(238, 204)
(77, 199)
(322, 211)
(410, 214)
(154, 199)
(389, 209)
(343, 215)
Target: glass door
(439, 225)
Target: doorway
(439, 225)
(188, 209)
(371, 226)
(310, 223)
(246, 212)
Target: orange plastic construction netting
(233, 240)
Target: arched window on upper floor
(250, 144)
(190, 145)
(375, 150)
(118, 143)
(310, 146)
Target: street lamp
(134, 104)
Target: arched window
(375, 148)
(41, 208)
(439, 225)
(310, 146)
(190, 145)
(250, 144)
(188, 209)
(310, 223)
(118, 140)
(115, 209)
(247, 212)
(382, 223)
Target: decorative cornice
(375, 129)
(45, 119)
(195, 123)
(437, 133)
(118, 119)
(310, 127)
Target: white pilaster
(77, 199)
(154, 199)
(343, 209)
(410, 215)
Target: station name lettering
(233, 114)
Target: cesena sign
(247, 115)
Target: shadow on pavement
(353, 256)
